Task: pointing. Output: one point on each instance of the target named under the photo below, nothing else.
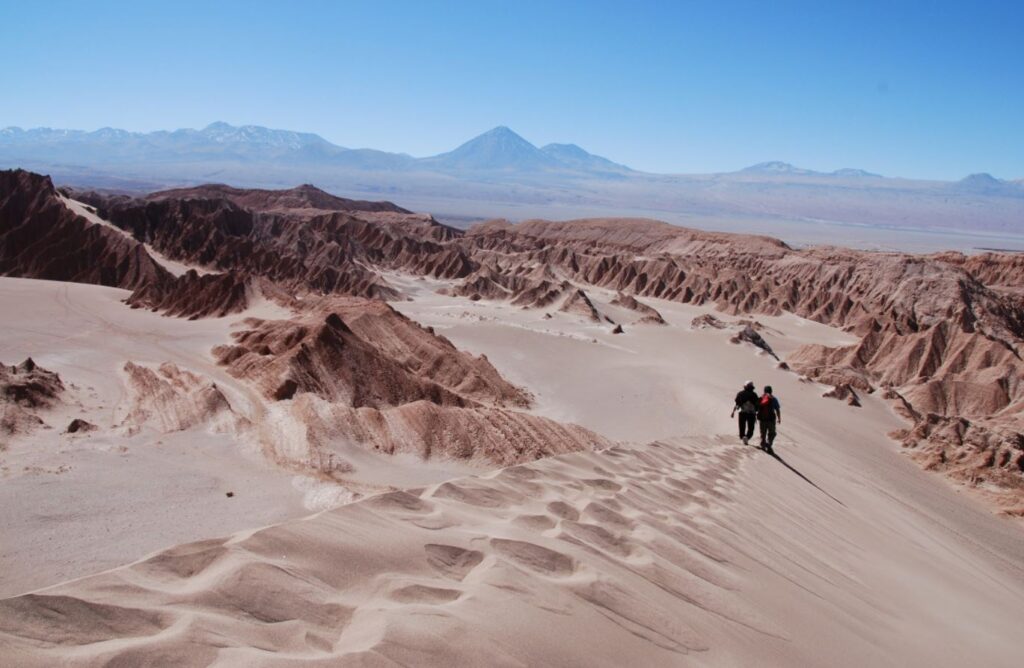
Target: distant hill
(856, 173)
(784, 168)
(217, 140)
(306, 196)
(987, 184)
(776, 167)
(574, 156)
(500, 173)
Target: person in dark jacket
(769, 412)
(746, 404)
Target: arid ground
(244, 427)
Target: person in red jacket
(769, 412)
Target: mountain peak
(501, 130)
(981, 178)
(501, 133)
(855, 173)
(497, 149)
(775, 167)
(984, 183)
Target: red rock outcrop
(80, 426)
(578, 303)
(355, 371)
(193, 295)
(707, 321)
(168, 398)
(845, 393)
(648, 314)
(748, 334)
(25, 390)
(362, 353)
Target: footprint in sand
(433, 523)
(534, 522)
(563, 510)
(518, 473)
(400, 501)
(603, 484)
(483, 497)
(424, 594)
(605, 515)
(535, 557)
(81, 622)
(598, 537)
(682, 484)
(451, 561)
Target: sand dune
(690, 550)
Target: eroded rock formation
(943, 333)
(168, 398)
(42, 238)
(648, 314)
(26, 390)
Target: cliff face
(42, 238)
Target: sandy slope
(71, 505)
(692, 550)
(689, 551)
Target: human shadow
(810, 482)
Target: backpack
(746, 401)
(765, 409)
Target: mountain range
(499, 173)
(497, 149)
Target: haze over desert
(747, 391)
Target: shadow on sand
(810, 482)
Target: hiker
(746, 404)
(768, 413)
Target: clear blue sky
(916, 89)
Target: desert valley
(526, 334)
(281, 427)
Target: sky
(914, 89)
